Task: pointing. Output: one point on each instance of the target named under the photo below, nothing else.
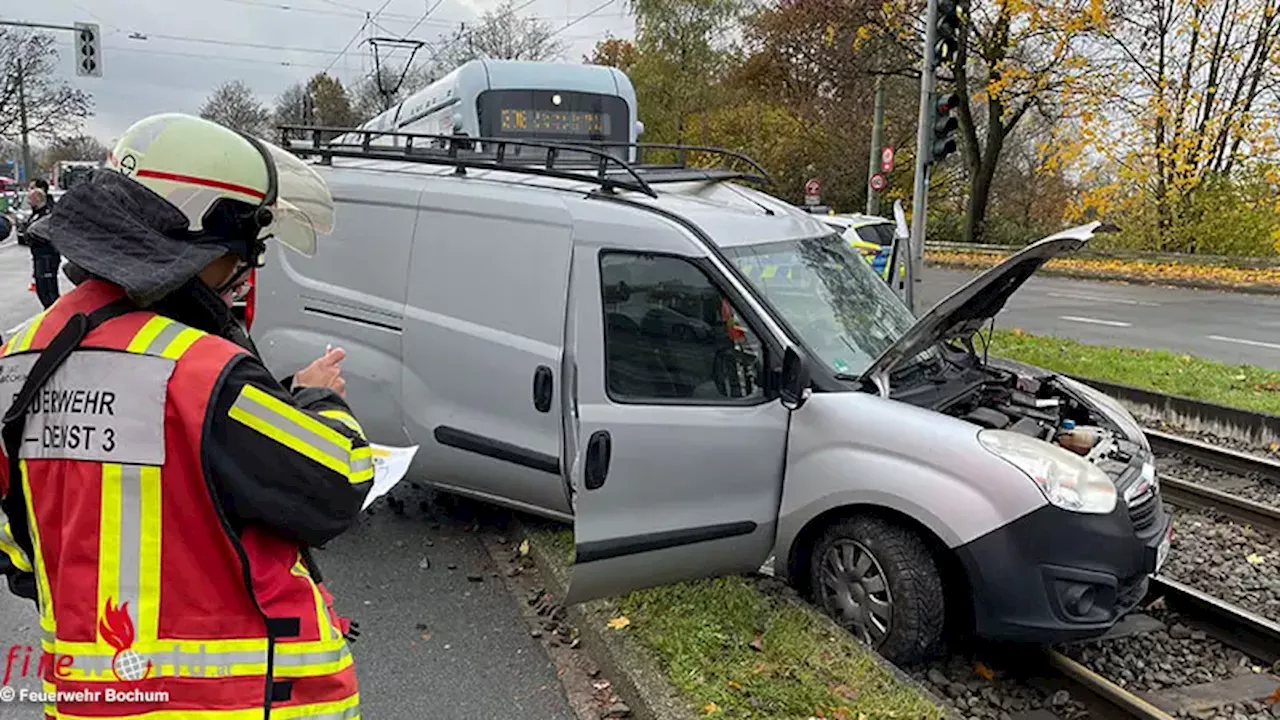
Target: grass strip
(1121, 269)
(1247, 387)
(739, 647)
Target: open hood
(964, 311)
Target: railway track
(1255, 636)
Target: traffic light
(944, 126)
(947, 33)
(88, 50)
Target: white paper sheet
(390, 464)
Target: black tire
(918, 613)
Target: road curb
(632, 670)
(636, 675)
(1123, 280)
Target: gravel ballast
(1230, 561)
(1177, 656)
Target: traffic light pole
(924, 155)
(27, 164)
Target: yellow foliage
(1134, 269)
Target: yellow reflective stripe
(345, 419)
(44, 595)
(361, 465)
(147, 333)
(327, 630)
(345, 709)
(164, 337)
(182, 343)
(109, 528)
(769, 272)
(129, 545)
(147, 621)
(21, 340)
(9, 547)
(301, 433)
(195, 658)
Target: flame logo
(116, 628)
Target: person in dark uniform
(45, 260)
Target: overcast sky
(193, 45)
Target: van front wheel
(881, 583)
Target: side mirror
(794, 388)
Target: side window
(670, 334)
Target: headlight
(1066, 479)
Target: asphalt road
(433, 643)
(1230, 327)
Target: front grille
(1145, 514)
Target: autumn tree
(614, 52)
(1192, 110)
(54, 108)
(233, 104)
(78, 147)
(1016, 58)
(683, 50)
(819, 61)
(500, 34)
(322, 100)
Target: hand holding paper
(390, 465)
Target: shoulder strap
(15, 420)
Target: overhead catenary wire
(355, 37)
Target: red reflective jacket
(142, 583)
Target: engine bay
(1040, 408)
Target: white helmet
(176, 193)
(194, 163)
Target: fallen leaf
(734, 686)
(1253, 559)
(524, 547)
(710, 708)
(983, 671)
(1274, 697)
(426, 636)
(619, 622)
(760, 668)
(845, 692)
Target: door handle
(599, 450)
(542, 388)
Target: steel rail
(1215, 457)
(1118, 702)
(1194, 496)
(1231, 624)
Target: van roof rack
(604, 168)
(496, 156)
(680, 171)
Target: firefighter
(162, 490)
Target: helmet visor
(304, 207)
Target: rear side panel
(483, 342)
(350, 295)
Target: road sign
(812, 191)
(88, 50)
(878, 182)
(886, 159)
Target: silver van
(706, 380)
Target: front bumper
(1055, 576)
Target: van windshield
(844, 314)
